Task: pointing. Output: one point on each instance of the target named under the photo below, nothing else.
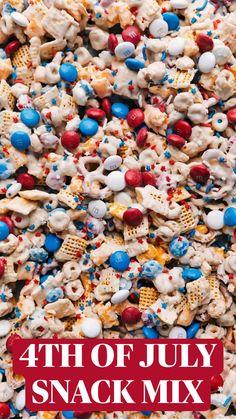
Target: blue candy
(191, 273)
(68, 414)
(230, 217)
(54, 295)
(44, 278)
(68, 72)
(20, 140)
(179, 246)
(150, 332)
(30, 117)
(151, 269)
(6, 169)
(172, 20)
(134, 64)
(119, 260)
(52, 243)
(146, 412)
(120, 110)
(88, 127)
(192, 330)
(4, 230)
(38, 254)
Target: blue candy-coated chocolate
(192, 330)
(119, 260)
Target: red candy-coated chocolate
(95, 113)
(11, 340)
(70, 140)
(131, 315)
(231, 115)
(4, 411)
(112, 42)
(204, 42)
(27, 181)
(135, 117)
(183, 128)
(133, 178)
(12, 47)
(200, 173)
(142, 137)
(2, 267)
(8, 221)
(148, 179)
(176, 140)
(131, 34)
(133, 217)
(106, 106)
(216, 382)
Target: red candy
(131, 315)
(176, 140)
(183, 128)
(112, 42)
(231, 115)
(10, 341)
(70, 140)
(95, 113)
(27, 181)
(12, 47)
(133, 217)
(216, 382)
(4, 411)
(133, 178)
(131, 34)
(9, 222)
(148, 179)
(200, 174)
(142, 137)
(204, 42)
(2, 267)
(135, 117)
(106, 106)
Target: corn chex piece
(182, 79)
(22, 205)
(45, 100)
(180, 194)
(186, 220)
(147, 297)
(6, 120)
(22, 57)
(134, 232)
(122, 151)
(18, 158)
(67, 106)
(198, 292)
(68, 198)
(72, 248)
(214, 287)
(153, 252)
(7, 100)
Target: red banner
(127, 374)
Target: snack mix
(117, 180)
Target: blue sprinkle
(199, 9)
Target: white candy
(219, 122)
(13, 190)
(215, 220)
(176, 46)
(5, 327)
(222, 54)
(124, 49)
(112, 162)
(20, 400)
(97, 208)
(125, 284)
(91, 328)
(206, 62)
(116, 181)
(179, 4)
(19, 19)
(119, 296)
(177, 333)
(158, 28)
